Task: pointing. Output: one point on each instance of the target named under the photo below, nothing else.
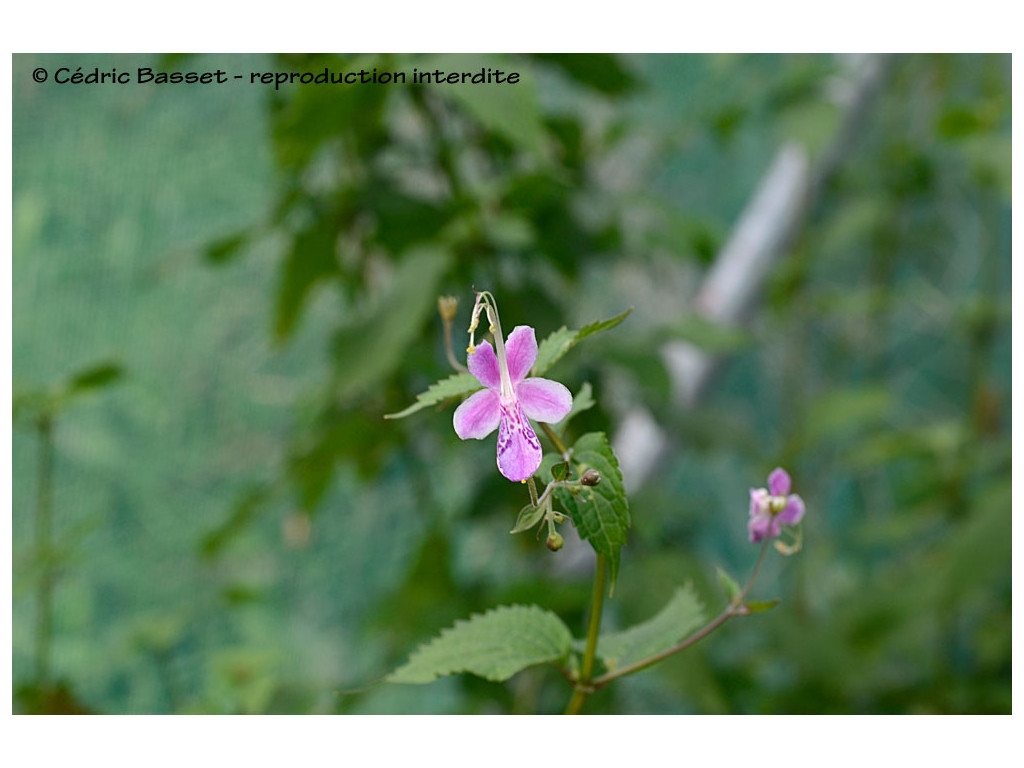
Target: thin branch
(734, 608)
(555, 440)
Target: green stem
(555, 440)
(44, 551)
(738, 600)
(734, 608)
(583, 687)
(448, 350)
(533, 490)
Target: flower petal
(519, 452)
(761, 526)
(779, 482)
(543, 399)
(521, 352)
(478, 416)
(484, 365)
(793, 512)
(759, 500)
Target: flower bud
(447, 306)
(555, 541)
(591, 477)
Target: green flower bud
(555, 541)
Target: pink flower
(507, 401)
(772, 506)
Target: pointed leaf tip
(556, 345)
(454, 386)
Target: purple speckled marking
(519, 451)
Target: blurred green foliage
(249, 534)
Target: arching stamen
(485, 303)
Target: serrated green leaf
(554, 347)
(601, 512)
(494, 645)
(455, 385)
(529, 516)
(728, 584)
(680, 617)
(601, 325)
